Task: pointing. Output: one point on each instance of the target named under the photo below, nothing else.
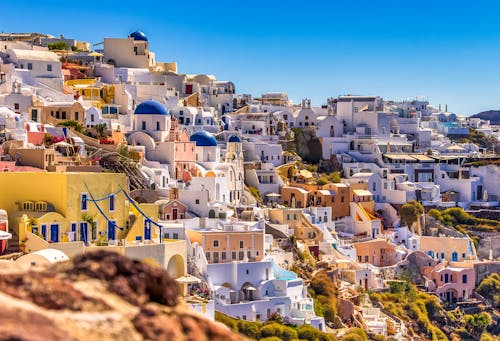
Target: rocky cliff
(99, 296)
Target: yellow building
(99, 93)
(65, 207)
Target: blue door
(454, 257)
(111, 230)
(147, 230)
(84, 233)
(54, 233)
(44, 231)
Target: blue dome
(234, 138)
(203, 139)
(138, 35)
(150, 108)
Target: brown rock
(21, 325)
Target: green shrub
(73, 124)
(276, 329)
(490, 289)
(270, 338)
(308, 332)
(250, 329)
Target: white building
(253, 291)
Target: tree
(100, 129)
(410, 212)
(60, 45)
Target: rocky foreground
(99, 296)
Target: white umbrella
(188, 279)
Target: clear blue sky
(447, 50)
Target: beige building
(131, 52)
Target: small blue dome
(234, 138)
(138, 35)
(203, 139)
(150, 108)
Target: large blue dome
(138, 35)
(203, 139)
(150, 108)
(234, 138)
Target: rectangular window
(367, 259)
(295, 216)
(83, 205)
(176, 235)
(157, 125)
(16, 106)
(233, 255)
(49, 67)
(223, 255)
(464, 279)
(143, 125)
(463, 255)
(241, 244)
(30, 66)
(197, 201)
(241, 254)
(216, 243)
(111, 202)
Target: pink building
(452, 283)
(173, 210)
(36, 133)
(183, 155)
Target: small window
(176, 235)
(49, 67)
(157, 125)
(241, 254)
(233, 255)
(366, 259)
(464, 279)
(27, 206)
(84, 202)
(30, 66)
(197, 201)
(216, 243)
(208, 255)
(247, 271)
(143, 125)
(16, 106)
(111, 202)
(241, 244)
(463, 255)
(223, 255)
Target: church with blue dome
(203, 139)
(152, 118)
(150, 107)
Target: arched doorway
(175, 267)
(211, 214)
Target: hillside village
(262, 210)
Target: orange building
(377, 253)
(235, 243)
(294, 197)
